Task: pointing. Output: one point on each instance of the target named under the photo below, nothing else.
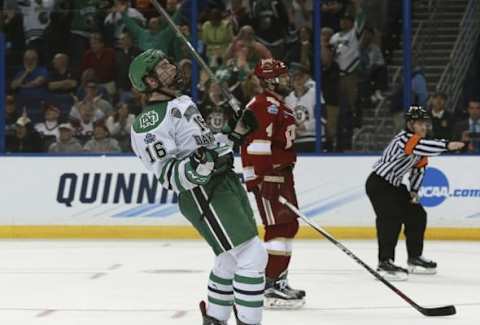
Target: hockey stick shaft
(441, 311)
(194, 53)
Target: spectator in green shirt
(217, 34)
(151, 37)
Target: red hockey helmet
(270, 69)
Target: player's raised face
(166, 72)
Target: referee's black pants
(393, 207)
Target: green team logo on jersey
(149, 119)
(152, 116)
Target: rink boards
(113, 197)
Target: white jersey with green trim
(165, 135)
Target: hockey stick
(231, 100)
(439, 311)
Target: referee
(395, 204)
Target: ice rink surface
(161, 282)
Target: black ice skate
(278, 295)
(207, 320)
(392, 272)
(297, 292)
(421, 265)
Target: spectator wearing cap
(373, 68)
(114, 23)
(25, 138)
(65, 143)
(124, 55)
(100, 106)
(442, 120)
(246, 50)
(216, 34)
(302, 101)
(48, 128)
(11, 115)
(346, 45)
(151, 37)
(119, 125)
(469, 130)
(61, 83)
(29, 85)
(101, 142)
(102, 60)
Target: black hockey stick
(438, 311)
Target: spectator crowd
(67, 67)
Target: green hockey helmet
(142, 65)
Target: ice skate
(392, 272)
(421, 265)
(278, 295)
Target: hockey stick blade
(439, 311)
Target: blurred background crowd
(67, 69)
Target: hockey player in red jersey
(268, 158)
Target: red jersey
(270, 146)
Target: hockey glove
(271, 186)
(202, 164)
(223, 159)
(240, 126)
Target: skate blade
(415, 269)
(281, 304)
(394, 277)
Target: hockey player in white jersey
(173, 141)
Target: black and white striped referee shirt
(407, 152)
